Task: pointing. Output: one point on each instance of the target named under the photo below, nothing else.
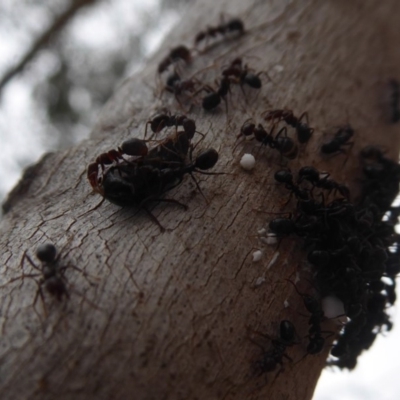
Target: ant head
(247, 128)
(283, 176)
(46, 252)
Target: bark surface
(166, 315)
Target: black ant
(52, 275)
(213, 98)
(177, 86)
(281, 141)
(232, 26)
(160, 121)
(242, 74)
(177, 53)
(286, 177)
(271, 358)
(341, 138)
(312, 175)
(316, 340)
(304, 132)
(127, 185)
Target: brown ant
(177, 53)
(234, 25)
(304, 132)
(130, 147)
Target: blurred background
(59, 63)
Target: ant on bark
(313, 176)
(161, 121)
(213, 98)
(130, 147)
(178, 86)
(127, 186)
(177, 53)
(234, 25)
(304, 132)
(286, 177)
(240, 74)
(281, 142)
(274, 356)
(340, 139)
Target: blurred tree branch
(43, 40)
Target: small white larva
(257, 255)
(262, 231)
(248, 162)
(286, 303)
(271, 239)
(273, 260)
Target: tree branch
(167, 315)
(54, 29)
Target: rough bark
(165, 315)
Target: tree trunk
(156, 315)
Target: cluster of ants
(352, 246)
(131, 175)
(353, 249)
(235, 73)
(284, 144)
(134, 175)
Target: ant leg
(172, 201)
(39, 292)
(284, 129)
(305, 114)
(263, 335)
(198, 186)
(153, 218)
(267, 75)
(26, 256)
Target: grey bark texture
(156, 315)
